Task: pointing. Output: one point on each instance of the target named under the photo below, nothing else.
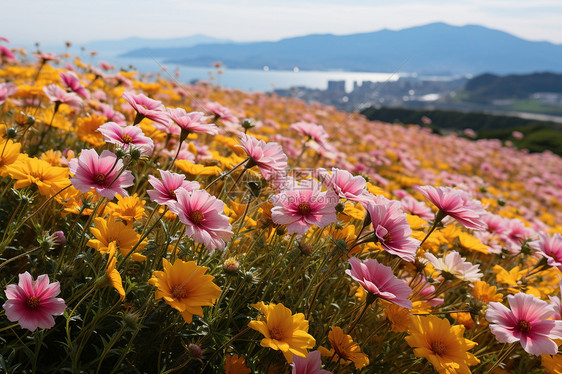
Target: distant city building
(336, 86)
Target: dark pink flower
(71, 82)
(106, 66)
(378, 280)
(203, 217)
(344, 184)
(127, 137)
(457, 204)
(59, 96)
(269, 157)
(192, 121)
(391, 227)
(6, 55)
(303, 206)
(164, 192)
(549, 247)
(147, 108)
(33, 303)
(99, 172)
(7, 90)
(526, 322)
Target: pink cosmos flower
(99, 172)
(556, 304)
(59, 96)
(33, 303)
(378, 280)
(269, 157)
(6, 55)
(457, 204)
(453, 265)
(344, 184)
(311, 130)
(515, 235)
(106, 66)
(164, 192)
(111, 115)
(525, 322)
(4, 39)
(46, 56)
(312, 364)
(6, 90)
(126, 137)
(192, 122)
(203, 216)
(391, 227)
(220, 112)
(147, 108)
(303, 206)
(71, 82)
(549, 248)
(412, 206)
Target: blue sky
(55, 21)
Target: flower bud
(194, 350)
(231, 265)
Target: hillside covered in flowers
(149, 226)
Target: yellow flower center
(304, 209)
(32, 303)
(523, 326)
(387, 237)
(438, 347)
(126, 139)
(178, 292)
(99, 178)
(196, 217)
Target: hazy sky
(55, 21)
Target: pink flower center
(387, 237)
(178, 292)
(33, 303)
(126, 139)
(99, 178)
(523, 326)
(196, 217)
(304, 209)
(438, 347)
(173, 194)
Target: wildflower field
(149, 226)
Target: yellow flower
(464, 318)
(283, 331)
(111, 235)
(399, 317)
(87, 129)
(235, 364)
(49, 179)
(552, 364)
(471, 243)
(9, 152)
(52, 157)
(345, 348)
(185, 287)
(114, 278)
(442, 344)
(486, 293)
(197, 169)
(128, 208)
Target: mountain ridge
(436, 48)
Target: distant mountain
(487, 87)
(127, 44)
(436, 48)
